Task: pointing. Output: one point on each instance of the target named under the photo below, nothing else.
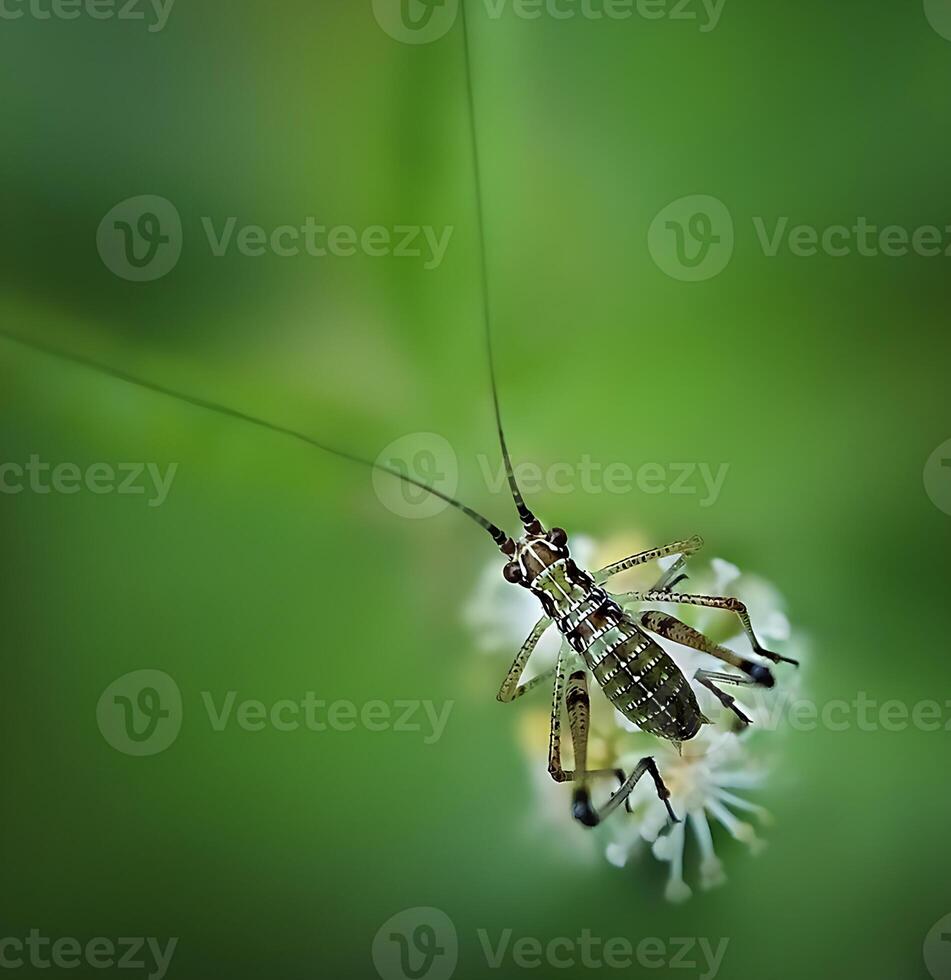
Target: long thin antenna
(498, 536)
(525, 515)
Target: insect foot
(759, 673)
(582, 810)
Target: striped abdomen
(637, 676)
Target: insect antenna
(498, 535)
(528, 519)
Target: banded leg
(707, 677)
(576, 699)
(727, 603)
(689, 547)
(578, 706)
(511, 689)
(673, 629)
(554, 731)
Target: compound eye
(558, 537)
(512, 572)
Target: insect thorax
(635, 673)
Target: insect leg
(554, 736)
(510, 689)
(689, 547)
(673, 629)
(579, 717)
(714, 602)
(577, 702)
(707, 677)
(673, 576)
(646, 765)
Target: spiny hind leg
(578, 707)
(555, 769)
(727, 603)
(579, 714)
(688, 547)
(576, 699)
(667, 626)
(511, 689)
(559, 774)
(707, 677)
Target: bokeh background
(272, 570)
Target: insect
(601, 639)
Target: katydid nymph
(600, 638)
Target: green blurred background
(272, 570)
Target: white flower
(707, 776)
(702, 782)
